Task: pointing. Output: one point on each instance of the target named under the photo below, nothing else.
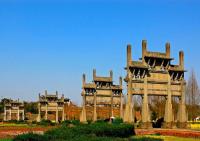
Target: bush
(17, 121)
(30, 137)
(12, 121)
(145, 139)
(112, 130)
(89, 121)
(100, 121)
(46, 123)
(94, 138)
(68, 122)
(118, 121)
(34, 122)
(75, 122)
(89, 132)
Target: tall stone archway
(154, 75)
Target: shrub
(17, 121)
(68, 122)
(104, 129)
(89, 132)
(89, 121)
(118, 121)
(100, 121)
(46, 123)
(12, 121)
(75, 122)
(145, 139)
(34, 122)
(112, 130)
(21, 122)
(94, 138)
(30, 137)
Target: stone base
(182, 125)
(168, 125)
(128, 114)
(85, 122)
(146, 125)
(83, 116)
(38, 119)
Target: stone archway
(154, 75)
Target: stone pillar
(145, 107)
(94, 74)
(18, 113)
(46, 92)
(181, 59)
(5, 114)
(83, 118)
(39, 113)
(167, 47)
(63, 113)
(168, 119)
(46, 112)
(57, 113)
(121, 106)
(111, 106)
(23, 115)
(182, 115)
(128, 114)
(121, 98)
(144, 49)
(95, 107)
(10, 114)
(111, 74)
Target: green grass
(5, 139)
(13, 125)
(167, 138)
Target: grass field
(5, 139)
(194, 125)
(168, 138)
(14, 125)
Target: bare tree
(192, 96)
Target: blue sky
(49, 44)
